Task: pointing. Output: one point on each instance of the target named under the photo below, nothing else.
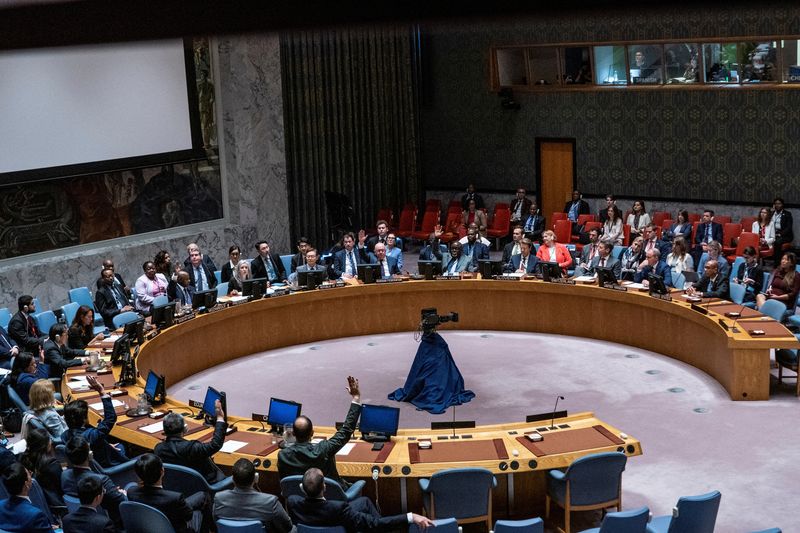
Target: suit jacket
(716, 232)
(210, 277)
(480, 219)
(463, 263)
(259, 269)
(6, 344)
(87, 520)
(111, 499)
(786, 233)
(393, 268)
(663, 247)
(756, 273)
(26, 337)
(305, 268)
(430, 252)
(99, 283)
(611, 262)
(662, 269)
(18, 514)
(533, 226)
(60, 358)
(207, 261)
(685, 232)
(516, 261)
(297, 260)
(563, 256)
(171, 503)
(586, 251)
(104, 453)
(295, 460)
(194, 454)
(478, 251)
(321, 512)
(526, 207)
(508, 251)
(183, 296)
(250, 504)
(720, 287)
(340, 260)
(26, 380)
(106, 305)
(583, 207)
(372, 241)
(226, 273)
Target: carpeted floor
(694, 438)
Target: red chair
(626, 235)
(502, 205)
(659, 231)
(746, 238)
(730, 231)
(592, 224)
(558, 216)
(501, 223)
(695, 223)
(747, 223)
(433, 204)
(666, 224)
(563, 231)
(722, 219)
(454, 203)
(453, 228)
(695, 217)
(406, 225)
(659, 217)
(454, 209)
(429, 221)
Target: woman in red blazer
(554, 251)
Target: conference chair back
(239, 526)
(125, 318)
(693, 514)
(302, 528)
(5, 317)
(443, 525)
(634, 521)
(44, 321)
(774, 309)
(69, 311)
(141, 518)
(461, 493)
(532, 525)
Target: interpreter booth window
(609, 64)
(720, 63)
(682, 63)
(645, 64)
(543, 65)
(790, 53)
(577, 65)
(759, 62)
(511, 67)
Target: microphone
(552, 418)
(733, 327)
(375, 474)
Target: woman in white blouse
(612, 228)
(764, 228)
(638, 219)
(679, 259)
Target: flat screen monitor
(369, 272)
(151, 384)
(311, 279)
(656, 284)
(209, 409)
(429, 268)
(605, 276)
(550, 270)
(205, 299)
(282, 412)
(379, 421)
(122, 346)
(163, 316)
(489, 268)
(255, 287)
(135, 331)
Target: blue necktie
(198, 279)
(352, 262)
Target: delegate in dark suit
(719, 287)
(533, 226)
(24, 332)
(297, 260)
(112, 497)
(171, 503)
(702, 232)
(340, 259)
(7, 344)
(516, 260)
(295, 460)
(117, 281)
(320, 513)
(61, 357)
(259, 268)
(180, 293)
(611, 262)
(87, 520)
(211, 279)
(391, 263)
(427, 251)
(108, 304)
(523, 210)
(477, 250)
(249, 504)
(207, 261)
(583, 207)
(194, 454)
(662, 269)
(755, 273)
(18, 514)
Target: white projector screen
(62, 107)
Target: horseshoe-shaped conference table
(739, 361)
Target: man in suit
(192, 453)
(784, 232)
(654, 265)
(651, 241)
(295, 460)
(707, 231)
(17, 513)
(524, 262)
(383, 232)
(577, 206)
(457, 261)
(200, 277)
(77, 451)
(712, 284)
(346, 260)
(589, 251)
(315, 510)
(471, 195)
(268, 265)
(181, 289)
(311, 265)
(23, 329)
(603, 259)
(119, 283)
(534, 224)
(388, 264)
(512, 248)
(520, 207)
(109, 299)
(426, 253)
(475, 248)
(246, 502)
(58, 355)
(86, 519)
(750, 274)
(207, 261)
(300, 257)
(8, 349)
(178, 510)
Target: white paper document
(153, 428)
(99, 405)
(346, 449)
(582, 279)
(231, 446)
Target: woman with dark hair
(58, 355)
(229, 268)
(39, 458)
(680, 228)
(81, 332)
(25, 372)
(638, 219)
(613, 233)
(163, 263)
(785, 284)
(148, 286)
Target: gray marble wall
(250, 107)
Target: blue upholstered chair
(222, 289)
(774, 309)
(770, 530)
(218, 275)
(532, 525)
(73, 503)
(82, 296)
(692, 514)
(120, 474)
(15, 399)
(735, 268)
(461, 493)
(590, 482)
(301, 528)
(161, 299)
(787, 358)
(36, 495)
(188, 481)
(287, 263)
(141, 518)
(69, 311)
(239, 526)
(44, 321)
(125, 318)
(291, 485)
(443, 525)
(5, 318)
(737, 293)
(618, 251)
(634, 521)
(793, 320)
(678, 281)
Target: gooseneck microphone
(552, 418)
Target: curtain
(352, 123)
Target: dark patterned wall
(724, 144)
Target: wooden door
(556, 177)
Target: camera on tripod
(430, 318)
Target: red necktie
(32, 327)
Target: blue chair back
(634, 521)
(737, 293)
(678, 280)
(73, 503)
(239, 526)
(70, 310)
(735, 266)
(770, 530)
(5, 317)
(287, 263)
(461, 492)
(218, 275)
(595, 478)
(774, 309)
(618, 251)
(161, 299)
(125, 318)
(81, 296)
(44, 321)
(222, 289)
(141, 518)
(443, 525)
(532, 525)
(15, 399)
(36, 494)
(696, 514)
(702, 262)
(3, 492)
(301, 528)
(185, 480)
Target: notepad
(346, 449)
(635, 285)
(77, 385)
(583, 279)
(99, 405)
(153, 428)
(231, 446)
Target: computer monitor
(379, 422)
(490, 268)
(122, 346)
(310, 279)
(135, 331)
(154, 388)
(429, 268)
(656, 284)
(282, 412)
(369, 272)
(163, 316)
(205, 299)
(605, 276)
(550, 270)
(209, 409)
(255, 287)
